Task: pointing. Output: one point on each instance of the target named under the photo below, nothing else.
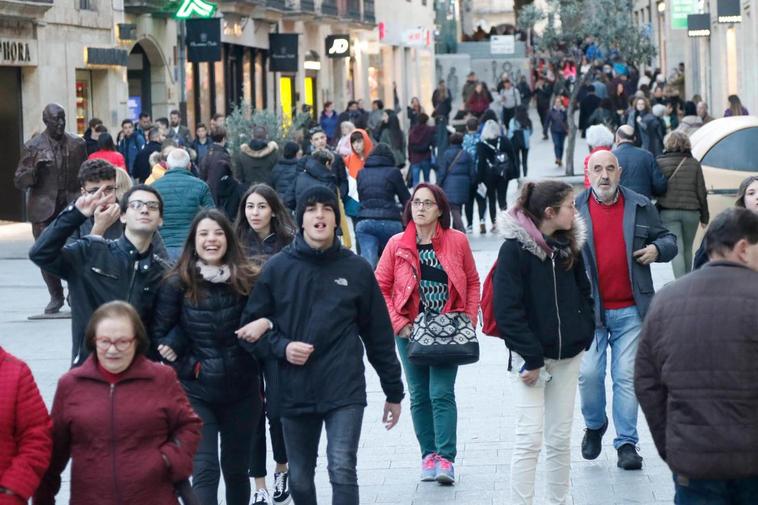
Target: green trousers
(433, 408)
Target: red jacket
(25, 431)
(397, 274)
(116, 436)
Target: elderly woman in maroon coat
(123, 420)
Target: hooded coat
(256, 161)
(543, 309)
(353, 162)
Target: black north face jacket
(329, 299)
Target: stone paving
(388, 461)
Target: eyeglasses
(121, 344)
(107, 190)
(138, 204)
(426, 204)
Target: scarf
(214, 274)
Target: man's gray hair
(625, 133)
(178, 158)
(599, 136)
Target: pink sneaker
(429, 467)
(445, 471)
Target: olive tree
(566, 24)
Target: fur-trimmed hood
(514, 224)
(259, 150)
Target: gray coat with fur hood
(543, 298)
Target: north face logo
(341, 281)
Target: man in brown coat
(696, 376)
(49, 169)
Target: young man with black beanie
(322, 305)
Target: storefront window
(220, 95)
(190, 80)
(286, 88)
(247, 85)
(83, 100)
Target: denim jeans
(715, 492)
(621, 333)
(343, 432)
(373, 235)
(433, 408)
(174, 253)
(417, 168)
(235, 423)
(558, 140)
(683, 224)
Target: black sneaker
(281, 487)
(628, 457)
(592, 443)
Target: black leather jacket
(97, 271)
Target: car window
(734, 152)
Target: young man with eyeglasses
(93, 175)
(99, 270)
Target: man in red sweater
(626, 236)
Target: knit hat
(317, 194)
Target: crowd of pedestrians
(224, 294)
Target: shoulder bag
(447, 339)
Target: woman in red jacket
(107, 151)
(429, 267)
(25, 436)
(479, 101)
(123, 420)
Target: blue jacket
(283, 177)
(330, 125)
(130, 148)
(642, 227)
(183, 195)
(456, 179)
(639, 171)
(201, 149)
(556, 121)
(378, 183)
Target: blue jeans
(621, 333)
(416, 168)
(558, 140)
(715, 492)
(301, 437)
(373, 235)
(174, 253)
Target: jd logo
(338, 46)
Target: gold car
(727, 149)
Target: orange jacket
(353, 162)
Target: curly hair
(677, 142)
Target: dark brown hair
(281, 220)
(243, 271)
(114, 310)
(536, 197)
(439, 198)
(740, 202)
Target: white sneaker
(261, 497)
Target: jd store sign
(338, 46)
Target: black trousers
(481, 202)
(521, 157)
(258, 447)
(234, 423)
(497, 192)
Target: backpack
(489, 324)
(502, 165)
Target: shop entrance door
(11, 130)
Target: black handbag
(443, 340)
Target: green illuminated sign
(197, 8)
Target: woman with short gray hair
(685, 202)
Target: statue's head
(54, 118)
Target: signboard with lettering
(699, 25)
(283, 54)
(417, 37)
(503, 44)
(729, 11)
(680, 9)
(203, 40)
(338, 46)
(106, 56)
(18, 52)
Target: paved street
(388, 461)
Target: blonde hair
(123, 183)
(677, 142)
(491, 130)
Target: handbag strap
(455, 160)
(677, 168)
